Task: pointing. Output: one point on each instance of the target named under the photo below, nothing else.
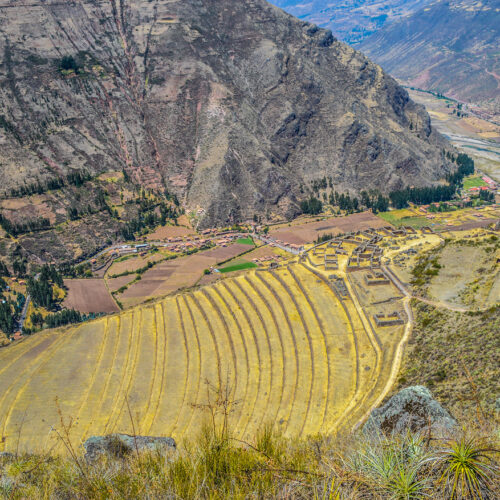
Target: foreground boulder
(413, 409)
(120, 445)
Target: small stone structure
(319, 250)
(353, 264)
(331, 262)
(341, 287)
(377, 278)
(391, 319)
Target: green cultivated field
(238, 267)
(245, 241)
(396, 220)
(473, 182)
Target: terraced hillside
(291, 351)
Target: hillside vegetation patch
(460, 272)
(456, 355)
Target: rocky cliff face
(232, 106)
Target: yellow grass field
(291, 351)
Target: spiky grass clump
(391, 467)
(215, 465)
(469, 468)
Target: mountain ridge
(351, 20)
(233, 108)
(450, 47)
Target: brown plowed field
(115, 283)
(133, 263)
(224, 253)
(309, 231)
(172, 275)
(166, 232)
(473, 225)
(89, 296)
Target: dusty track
(438, 304)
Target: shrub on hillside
(68, 63)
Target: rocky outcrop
(233, 106)
(413, 409)
(120, 445)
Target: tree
(382, 204)
(6, 316)
(64, 317)
(4, 270)
(19, 267)
(311, 206)
(69, 63)
(486, 196)
(36, 319)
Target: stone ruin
(391, 319)
(340, 287)
(331, 262)
(377, 278)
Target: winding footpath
(434, 303)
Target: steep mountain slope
(450, 47)
(232, 106)
(351, 20)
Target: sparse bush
(68, 63)
(215, 465)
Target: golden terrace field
(292, 352)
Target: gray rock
(6, 454)
(413, 408)
(120, 445)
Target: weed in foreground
(215, 464)
(469, 468)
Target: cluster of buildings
(288, 247)
(268, 258)
(366, 255)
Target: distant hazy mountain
(450, 46)
(351, 20)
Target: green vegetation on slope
(395, 220)
(473, 182)
(456, 355)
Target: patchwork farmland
(310, 345)
(290, 349)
